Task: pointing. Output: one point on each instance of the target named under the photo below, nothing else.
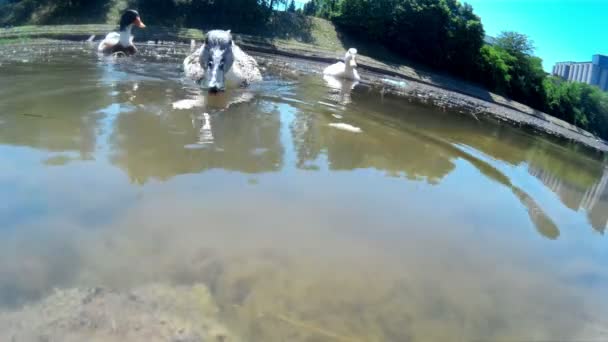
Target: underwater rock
(150, 313)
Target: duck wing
(192, 65)
(336, 70)
(109, 41)
(245, 68)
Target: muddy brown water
(310, 211)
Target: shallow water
(310, 213)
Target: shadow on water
(542, 222)
(577, 178)
(434, 161)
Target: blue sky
(562, 30)
(299, 4)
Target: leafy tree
(441, 33)
(495, 67)
(465, 39)
(578, 103)
(328, 9)
(310, 8)
(515, 43)
(292, 7)
(526, 75)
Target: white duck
(122, 41)
(219, 62)
(346, 69)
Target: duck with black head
(122, 41)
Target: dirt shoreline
(422, 86)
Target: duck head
(129, 19)
(217, 59)
(349, 58)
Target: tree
(292, 7)
(328, 9)
(441, 33)
(515, 43)
(310, 8)
(495, 67)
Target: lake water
(309, 213)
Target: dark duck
(122, 41)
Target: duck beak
(139, 23)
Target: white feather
(123, 38)
(346, 69)
(244, 70)
(110, 40)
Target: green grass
(9, 41)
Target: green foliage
(495, 67)
(581, 104)
(310, 8)
(292, 6)
(527, 77)
(251, 16)
(327, 9)
(515, 43)
(443, 34)
(237, 14)
(509, 69)
(53, 11)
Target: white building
(594, 72)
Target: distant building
(594, 72)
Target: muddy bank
(150, 313)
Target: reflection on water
(340, 89)
(425, 226)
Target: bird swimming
(219, 61)
(122, 41)
(346, 69)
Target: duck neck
(125, 36)
(347, 65)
